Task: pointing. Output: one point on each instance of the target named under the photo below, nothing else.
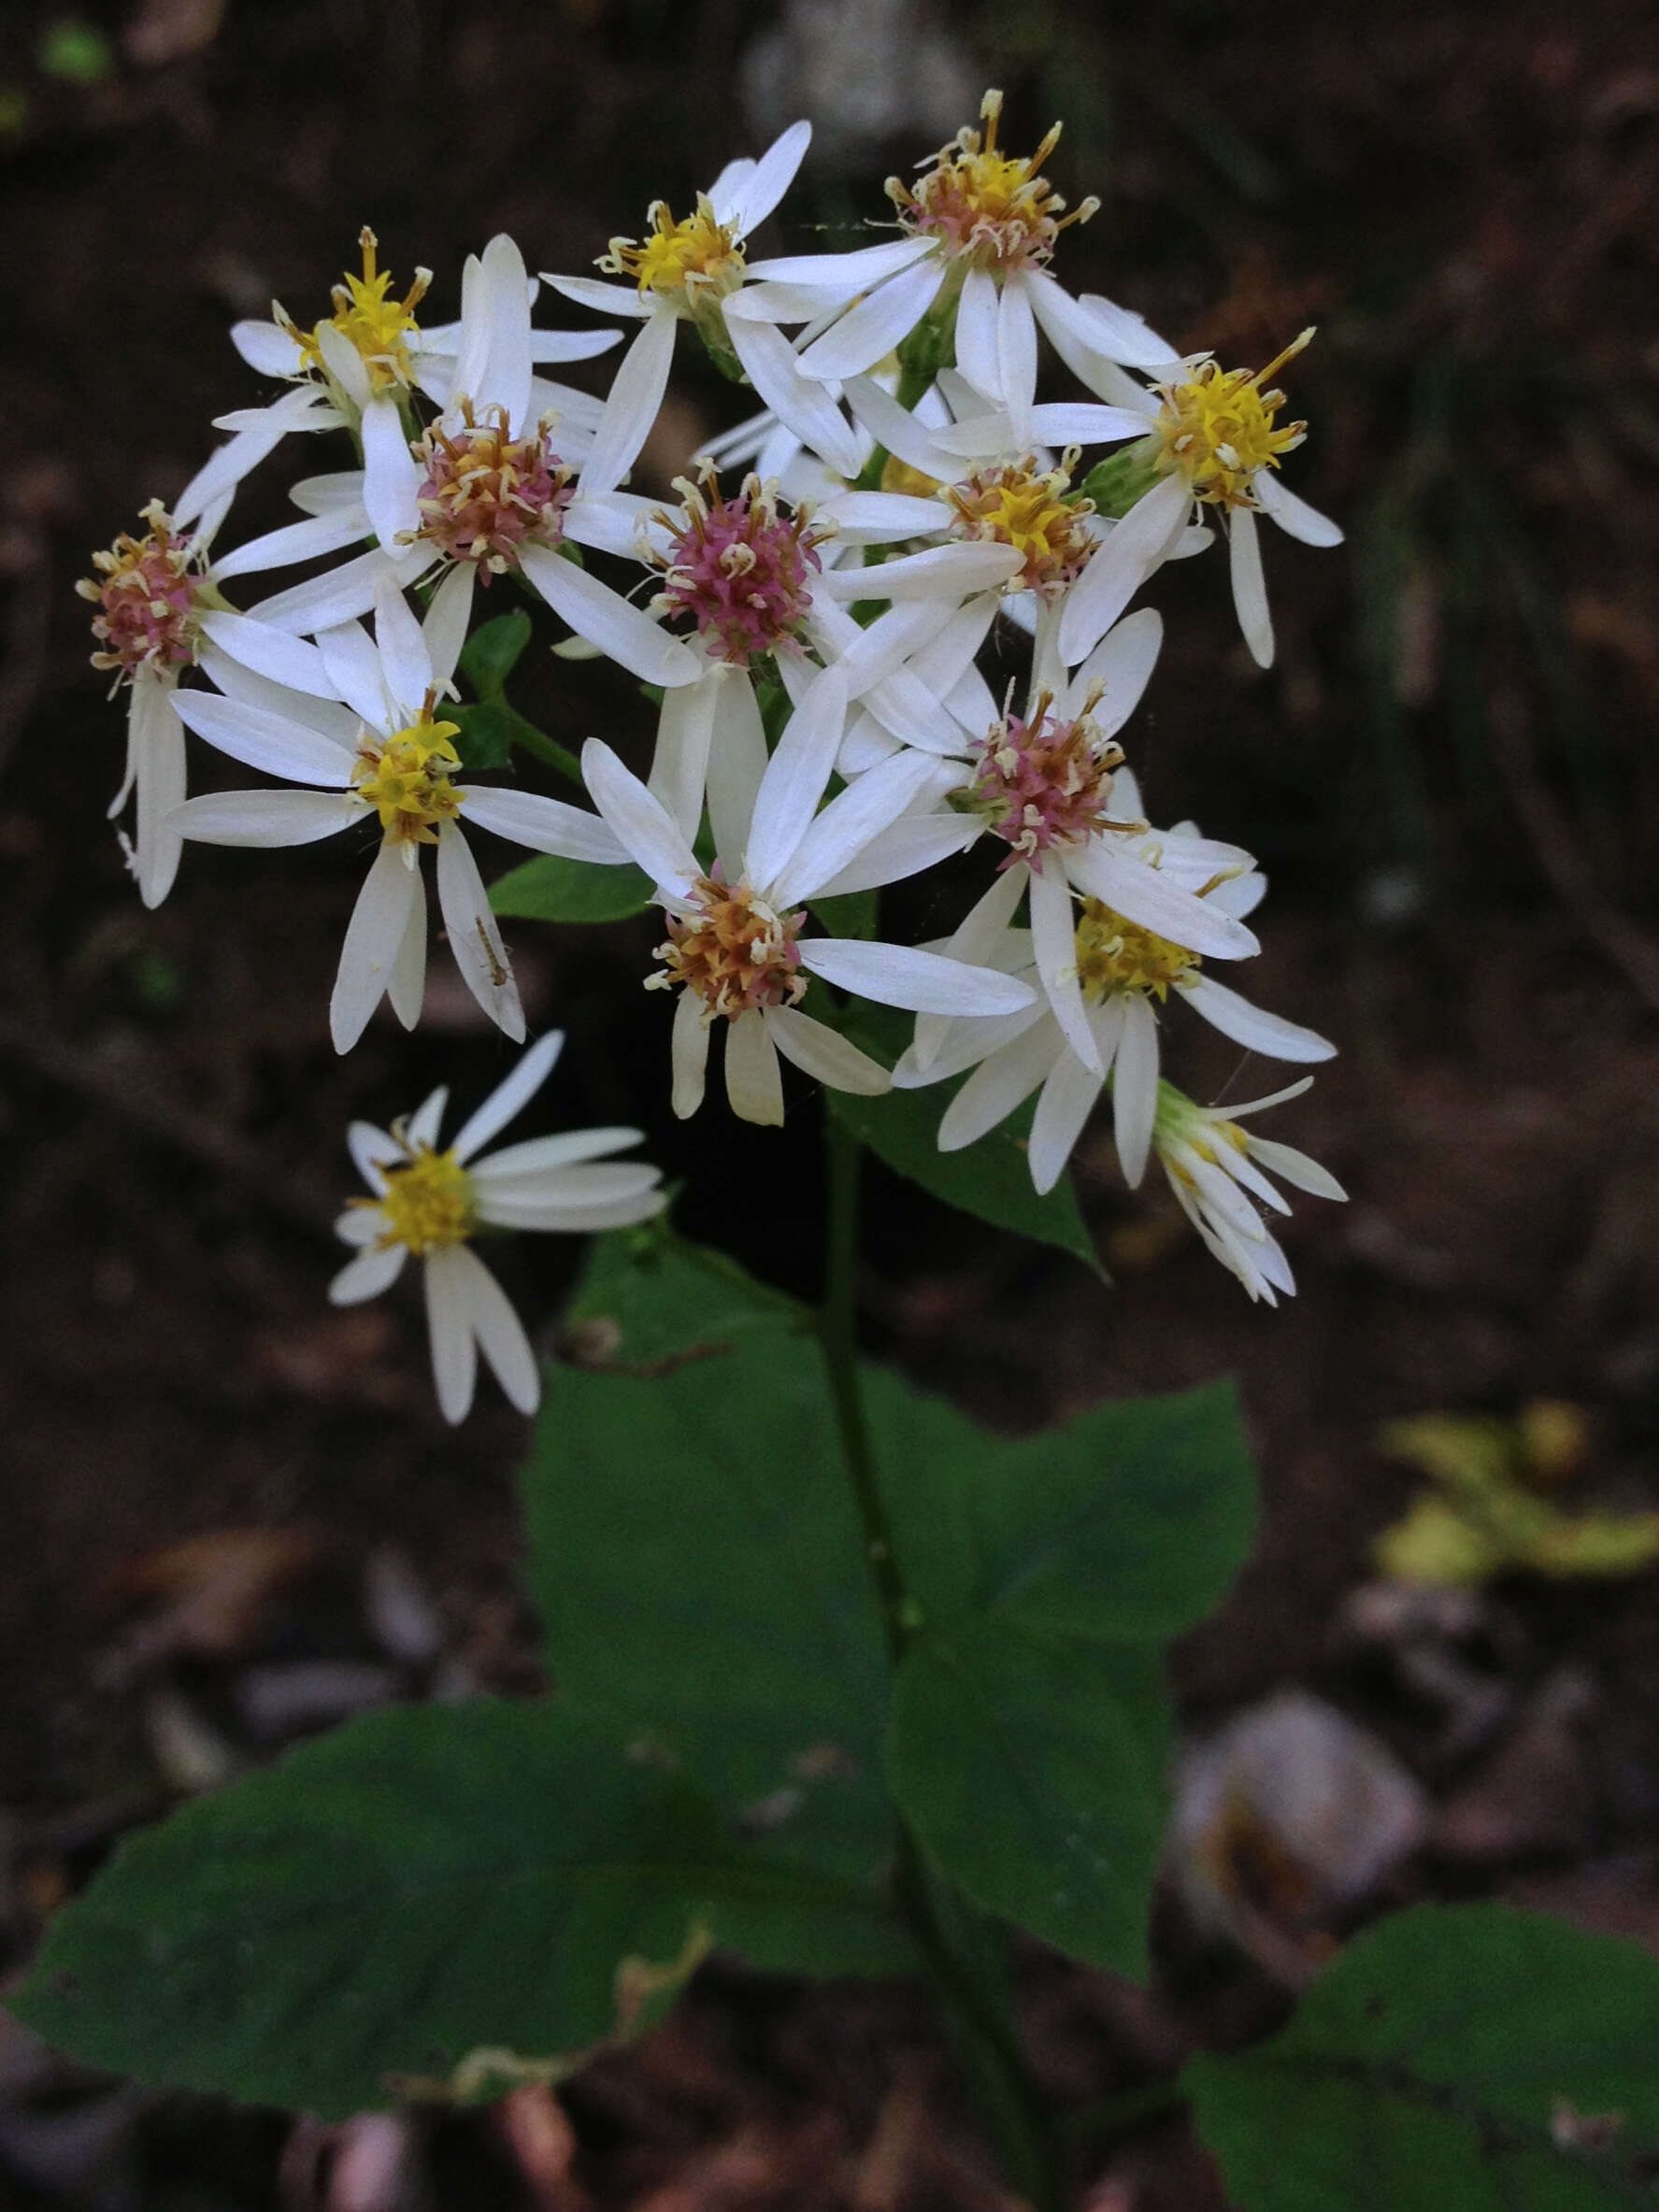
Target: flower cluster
(814, 630)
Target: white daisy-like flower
(979, 227)
(1215, 1168)
(1127, 973)
(491, 487)
(694, 270)
(736, 951)
(357, 369)
(431, 1204)
(161, 611)
(1210, 441)
(358, 717)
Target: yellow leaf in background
(1598, 1544)
(1436, 1545)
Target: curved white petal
(1121, 666)
(610, 299)
(949, 571)
(690, 1054)
(357, 674)
(325, 601)
(1146, 894)
(609, 621)
(474, 935)
(871, 329)
(1053, 941)
(269, 652)
(537, 1164)
(899, 431)
(771, 364)
(448, 1325)
(636, 400)
(1253, 1026)
(906, 848)
(499, 1331)
(262, 817)
(267, 348)
(404, 658)
(1134, 1087)
(825, 1054)
(263, 740)
(1016, 356)
(838, 836)
(390, 474)
(753, 1086)
(736, 766)
(1293, 514)
(685, 736)
(795, 777)
(406, 986)
(763, 183)
(641, 822)
(1000, 1084)
(1296, 1168)
(309, 540)
(374, 936)
(1119, 566)
(541, 824)
(155, 741)
(445, 621)
(1066, 1104)
(510, 1096)
(900, 976)
(368, 1275)
(1250, 587)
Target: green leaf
(696, 1559)
(650, 1297)
(486, 732)
(1466, 2056)
(430, 1894)
(853, 915)
(1032, 1776)
(552, 889)
(492, 652)
(990, 1179)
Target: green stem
(542, 748)
(984, 2039)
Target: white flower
(160, 610)
(981, 227)
(357, 719)
(1211, 1164)
(734, 950)
(694, 271)
(1210, 443)
(1125, 973)
(493, 486)
(432, 1203)
(357, 369)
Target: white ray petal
(499, 1331)
(825, 1054)
(642, 823)
(871, 329)
(763, 183)
(936, 572)
(474, 935)
(753, 1086)
(264, 741)
(269, 652)
(541, 824)
(267, 348)
(908, 846)
(900, 432)
(998, 1085)
(1253, 1026)
(374, 937)
(1066, 1104)
(262, 817)
(1121, 664)
(404, 658)
(635, 402)
(1295, 1167)
(610, 299)
(770, 364)
(685, 736)
(735, 766)
(1250, 587)
(511, 1095)
(1134, 1087)
(841, 831)
(406, 986)
(445, 624)
(795, 777)
(690, 1054)
(390, 474)
(609, 621)
(537, 1163)
(924, 982)
(1054, 942)
(1293, 514)
(367, 1276)
(155, 741)
(449, 1324)
(1146, 894)
(1119, 566)
(308, 540)
(1016, 356)
(357, 675)
(345, 592)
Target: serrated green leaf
(423, 1888)
(991, 1179)
(1031, 1774)
(1466, 2056)
(552, 889)
(492, 652)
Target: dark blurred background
(211, 1477)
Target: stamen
(1040, 780)
(405, 779)
(426, 1205)
(1217, 429)
(486, 493)
(992, 211)
(376, 326)
(738, 569)
(694, 258)
(1114, 954)
(146, 590)
(732, 949)
(1013, 504)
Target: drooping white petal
(1122, 665)
(753, 1086)
(1119, 566)
(542, 824)
(325, 601)
(840, 833)
(267, 741)
(406, 987)
(635, 402)
(337, 491)
(999, 1084)
(610, 299)
(1250, 587)
(267, 348)
(735, 766)
(642, 823)
(871, 329)
(268, 653)
(771, 365)
(499, 1331)
(1134, 1087)
(1253, 1026)
(445, 624)
(763, 183)
(510, 1096)
(924, 982)
(404, 658)
(155, 742)
(1066, 1101)
(882, 518)
(1016, 356)
(1054, 942)
(1146, 894)
(975, 334)
(685, 735)
(474, 935)
(1295, 1167)
(1293, 514)
(449, 1324)
(390, 474)
(840, 275)
(795, 777)
(374, 936)
(367, 1276)
(1071, 422)
(825, 1054)
(1097, 340)
(262, 817)
(609, 621)
(955, 1044)
(309, 540)
(690, 1054)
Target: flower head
(1034, 510)
(1218, 429)
(991, 209)
(147, 595)
(1216, 1167)
(484, 492)
(430, 1204)
(375, 325)
(738, 567)
(1043, 777)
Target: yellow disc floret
(1019, 504)
(1114, 954)
(405, 779)
(687, 262)
(1217, 429)
(427, 1204)
(992, 209)
(379, 327)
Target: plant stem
(983, 2037)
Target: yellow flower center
(405, 779)
(681, 260)
(427, 1204)
(1114, 954)
(992, 209)
(732, 949)
(1016, 505)
(1217, 429)
(376, 326)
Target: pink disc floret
(1041, 782)
(740, 569)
